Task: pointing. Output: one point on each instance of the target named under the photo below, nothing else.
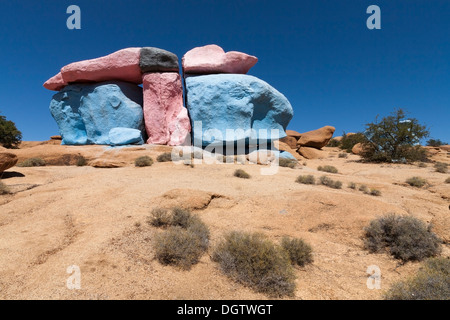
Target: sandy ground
(95, 218)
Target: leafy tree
(395, 138)
(10, 137)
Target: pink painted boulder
(55, 83)
(213, 59)
(166, 120)
(121, 65)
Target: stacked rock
(221, 97)
(100, 100)
(308, 144)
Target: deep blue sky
(318, 53)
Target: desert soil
(95, 218)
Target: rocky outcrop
(85, 113)
(317, 138)
(212, 59)
(312, 153)
(7, 160)
(238, 103)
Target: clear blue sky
(318, 53)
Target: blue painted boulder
(233, 108)
(86, 113)
(124, 136)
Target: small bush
(435, 143)
(241, 174)
(441, 167)
(184, 242)
(179, 247)
(405, 238)
(288, 163)
(422, 165)
(343, 155)
(416, 182)
(352, 185)
(164, 157)
(349, 141)
(4, 189)
(363, 188)
(375, 192)
(81, 161)
(144, 161)
(299, 251)
(324, 180)
(159, 218)
(333, 143)
(309, 179)
(432, 282)
(253, 260)
(447, 180)
(329, 169)
(32, 162)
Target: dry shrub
(298, 250)
(306, 179)
(144, 161)
(164, 157)
(81, 161)
(32, 162)
(329, 169)
(287, 163)
(159, 218)
(253, 260)
(417, 182)
(432, 282)
(324, 180)
(241, 174)
(4, 189)
(405, 238)
(441, 167)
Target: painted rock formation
(213, 59)
(235, 102)
(85, 113)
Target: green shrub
(32, 162)
(333, 143)
(349, 141)
(441, 167)
(299, 251)
(81, 161)
(395, 139)
(241, 174)
(405, 238)
(255, 261)
(10, 136)
(164, 157)
(4, 189)
(307, 179)
(431, 282)
(416, 182)
(329, 169)
(436, 143)
(447, 180)
(144, 161)
(352, 185)
(324, 180)
(288, 163)
(375, 192)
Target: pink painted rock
(55, 83)
(166, 120)
(213, 59)
(121, 65)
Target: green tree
(435, 143)
(10, 137)
(395, 138)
